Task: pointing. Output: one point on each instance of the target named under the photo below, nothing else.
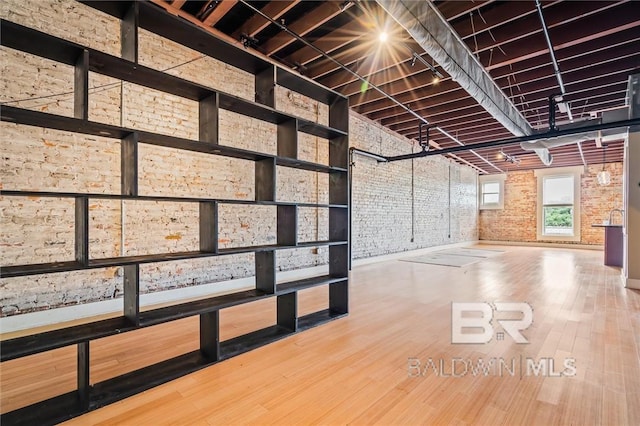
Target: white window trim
(499, 179)
(576, 172)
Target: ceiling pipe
(562, 105)
(545, 30)
(447, 134)
(350, 71)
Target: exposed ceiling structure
(596, 45)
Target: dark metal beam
(519, 139)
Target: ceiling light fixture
(604, 176)
(509, 158)
(383, 36)
(437, 75)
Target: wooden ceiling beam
(452, 10)
(541, 60)
(352, 32)
(610, 42)
(565, 23)
(218, 12)
(495, 17)
(314, 19)
(178, 3)
(400, 121)
(441, 119)
(274, 9)
(574, 73)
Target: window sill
(492, 207)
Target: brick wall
(41, 230)
(382, 196)
(517, 221)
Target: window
(491, 191)
(559, 204)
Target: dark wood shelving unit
(135, 15)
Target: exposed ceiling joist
(218, 12)
(322, 14)
(257, 23)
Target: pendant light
(604, 177)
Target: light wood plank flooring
(355, 370)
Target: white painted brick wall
(36, 159)
(381, 203)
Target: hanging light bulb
(604, 176)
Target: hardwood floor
(356, 370)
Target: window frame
(484, 179)
(541, 175)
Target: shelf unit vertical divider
(129, 33)
(82, 230)
(287, 311)
(210, 335)
(129, 164)
(209, 226)
(209, 110)
(83, 375)
(265, 262)
(265, 179)
(339, 218)
(129, 187)
(265, 190)
(131, 277)
(81, 86)
(265, 84)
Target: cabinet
(135, 15)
